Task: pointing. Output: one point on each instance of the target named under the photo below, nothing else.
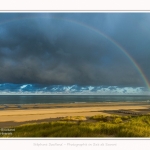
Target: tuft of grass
(74, 118)
(99, 118)
(117, 120)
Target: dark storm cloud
(55, 49)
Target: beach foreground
(14, 115)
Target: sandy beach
(13, 115)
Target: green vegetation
(74, 118)
(96, 126)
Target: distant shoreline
(69, 105)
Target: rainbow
(98, 32)
(120, 48)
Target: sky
(86, 49)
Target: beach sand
(14, 114)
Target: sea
(49, 99)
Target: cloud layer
(38, 89)
(61, 48)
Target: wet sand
(14, 114)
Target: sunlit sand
(11, 115)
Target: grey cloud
(53, 49)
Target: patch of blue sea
(47, 99)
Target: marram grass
(95, 126)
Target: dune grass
(74, 118)
(95, 126)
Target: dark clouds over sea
(66, 49)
